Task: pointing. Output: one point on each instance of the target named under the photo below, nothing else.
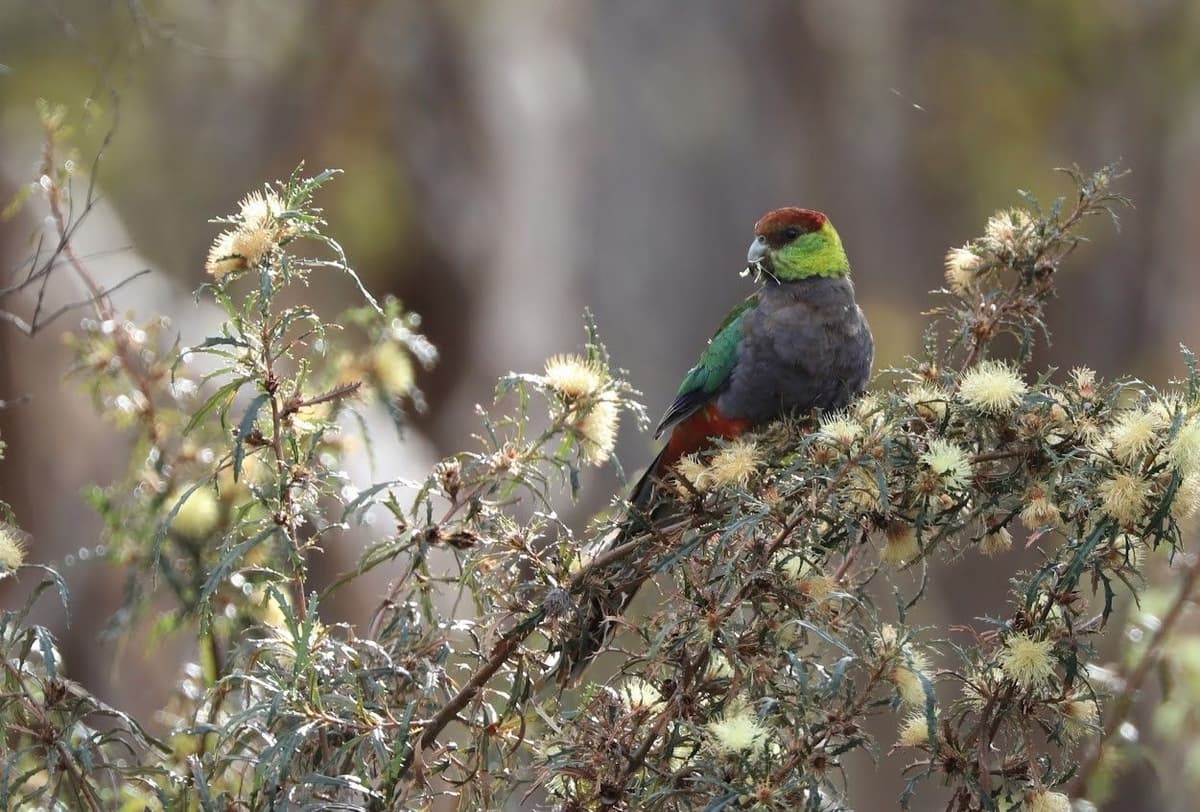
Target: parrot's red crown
(775, 223)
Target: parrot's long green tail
(594, 621)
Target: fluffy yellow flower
(1080, 716)
(734, 464)
(1041, 800)
(640, 695)
(12, 551)
(995, 541)
(1125, 497)
(1184, 450)
(961, 266)
(900, 544)
(1084, 380)
(839, 429)
(223, 258)
(254, 244)
(198, 516)
(393, 368)
(992, 387)
(597, 430)
(1133, 433)
(930, 402)
(1187, 497)
(1026, 661)
(862, 490)
(738, 732)
(573, 376)
(906, 676)
(1009, 230)
(260, 209)
(914, 731)
(695, 472)
(949, 462)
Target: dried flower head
(1041, 800)
(914, 731)
(992, 387)
(1026, 661)
(961, 266)
(718, 667)
(861, 490)
(1007, 231)
(1084, 380)
(1125, 497)
(1080, 716)
(12, 551)
(260, 210)
(574, 377)
(900, 544)
(254, 244)
(735, 464)
(223, 258)
(1133, 433)
(1039, 511)
(949, 462)
(739, 732)
(597, 429)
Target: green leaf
(221, 397)
(243, 430)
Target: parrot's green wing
(705, 380)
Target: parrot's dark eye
(791, 233)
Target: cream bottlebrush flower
(930, 402)
(1133, 433)
(12, 551)
(1008, 230)
(198, 516)
(719, 667)
(1187, 497)
(695, 472)
(1041, 800)
(574, 377)
(223, 258)
(640, 695)
(1026, 661)
(739, 732)
(735, 464)
(254, 244)
(261, 210)
(1084, 380)
(992, 387)
(914, 731)
(900, 544)
(393, 368)
(949, 462)
(1184, 450)
(597, 429)
(839, 429)
(1125, 497)
(961, 266)
(862, 490)
(1039, 510)
(995, 541)
(1080, 717)
(907, 677)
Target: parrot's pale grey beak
(758, 250)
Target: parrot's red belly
(697, 431)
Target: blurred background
(509, 164)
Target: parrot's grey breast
(805, 345)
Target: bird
(799, 343)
